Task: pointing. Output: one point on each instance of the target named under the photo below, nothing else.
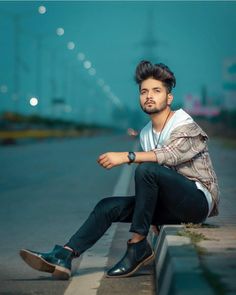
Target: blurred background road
(47, 190)
(69, 66)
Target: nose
(149, 94)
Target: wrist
(131, 157)
(125, 157)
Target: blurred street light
(100, 82)
(34, 101)
(81, 56)
(87, 64)
(42, 9)
(106, 88)
(92, 71)
(60, 31)
(3, 88)
(71, 45)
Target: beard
(154, 110)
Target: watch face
(131, 156)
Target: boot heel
(61, 273)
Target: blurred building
(229, 83)
(196, 105)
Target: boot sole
(148, 260)
(38, 263)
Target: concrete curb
(177, 266)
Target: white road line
(87, 279)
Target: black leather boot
(137, 254)
(57, 262)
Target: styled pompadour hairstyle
(161, 72)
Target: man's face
(154, 97)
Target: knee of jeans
(145, 169)
(105, 205)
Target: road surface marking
(91, 270)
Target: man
(174, 182)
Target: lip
(149, 103)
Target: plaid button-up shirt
(186, 151)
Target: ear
(170, 98)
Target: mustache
(149, 101)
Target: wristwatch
(132, 157)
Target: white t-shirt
(179, 118)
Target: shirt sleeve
(141, 140)
(180, 150)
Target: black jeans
(162, 196)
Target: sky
(193, 38)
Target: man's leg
(58, 262)
(162, 196)
(165, 196)
(107, 211)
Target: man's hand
(111, 159)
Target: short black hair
(145, 69)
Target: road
(47, 189)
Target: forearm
(112, 159)
(145, 157)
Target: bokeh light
(87, 64)
(42, 9)
(71, 45)
(3, 88)
(92, 71)
(34, 101)
(81, 56)
(60, 31)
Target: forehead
(151, 83)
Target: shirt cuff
(160, 155)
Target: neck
(159, 119)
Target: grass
(194, 237)
(192, 225)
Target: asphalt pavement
(47, 190)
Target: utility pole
(39, 40)
(204, 95)
(150, 43)
(16, 79)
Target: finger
(104, 162)
(101, 157)
(109, 166)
